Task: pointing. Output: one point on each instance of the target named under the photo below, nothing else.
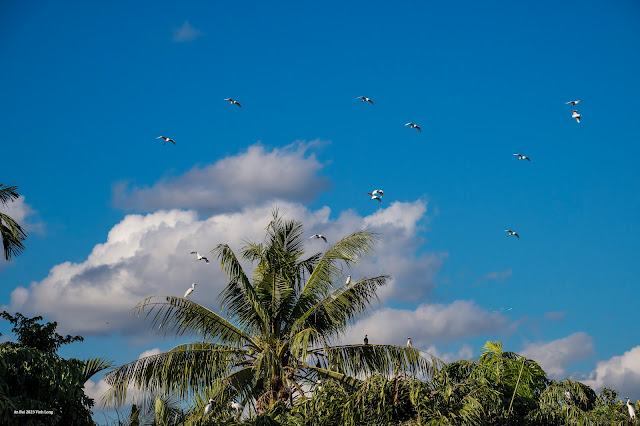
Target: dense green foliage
(34, 377)
(270, 349)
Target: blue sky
(87, 88)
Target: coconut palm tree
(274, 333)
(12, 233)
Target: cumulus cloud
(621, 372)
(247, 179)
(554, 356)
(148, 254)
(427, 324)
(186, 33)
(465, 352)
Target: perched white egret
(208, 407)
(190, 290)
(348, 280)
(365, 99)
(374, 196)
(166, 139)
(512, 233)
(568, 395)
(231, 102)
(573, 103)
(200, 257)
(576, 115)
(632, 410)
(366, 340)
(409, 342)
(318, 236)
(522, 157)
(414, 126)
(237, 406)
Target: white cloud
(24, 214)
(554, 356)
(620, 372)
(427, 325)
(246, 179)
(149, 254)
(186, 33)
(465, 352)
(150, 352)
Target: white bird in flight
(576, 115)
(374, 196)
(573, 103)
(208, 407)
(512, 233)
(409, 342)
(364, 99)
(237, 406)
(318, 236)
(522, 157)
(377, 191)
(414, 126)
(200, 257)
(166, 139)
(190, 290)
(231, 102)
(632, 410)
(348, 280)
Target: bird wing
(194, 252)
(172, 141)
(578, 118)
(370, 101)
(527, 158)
(322, 236)
(516, 234)
(205, 259)
(379, 199)
(369, 193)
(238, 103)
(228, 99)
(418, 127)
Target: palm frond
(93, 366)
(181, 316)
(186, 368)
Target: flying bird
(348, 280)
(237, 406)
(166, 139)
(632, 410)
(573, 103)
(366, 340)
(377, 191)
(414, 126)
(208, 407)
(512, 233)
(409, 342)
(365, 99)
(522, 157)
(576, 115)
(374, 196)
(231, 102)
(200, 257)
(190, 290)
(318, 236)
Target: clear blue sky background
(87, 87)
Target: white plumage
(207, 408)
(190, 290)
(364, 99)
(576, 115)
(200, 257)
(512, 233)
(409, 343)
(414, 126)
(231, 102)
(237, 406)
(348, 280)
(632, 410)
